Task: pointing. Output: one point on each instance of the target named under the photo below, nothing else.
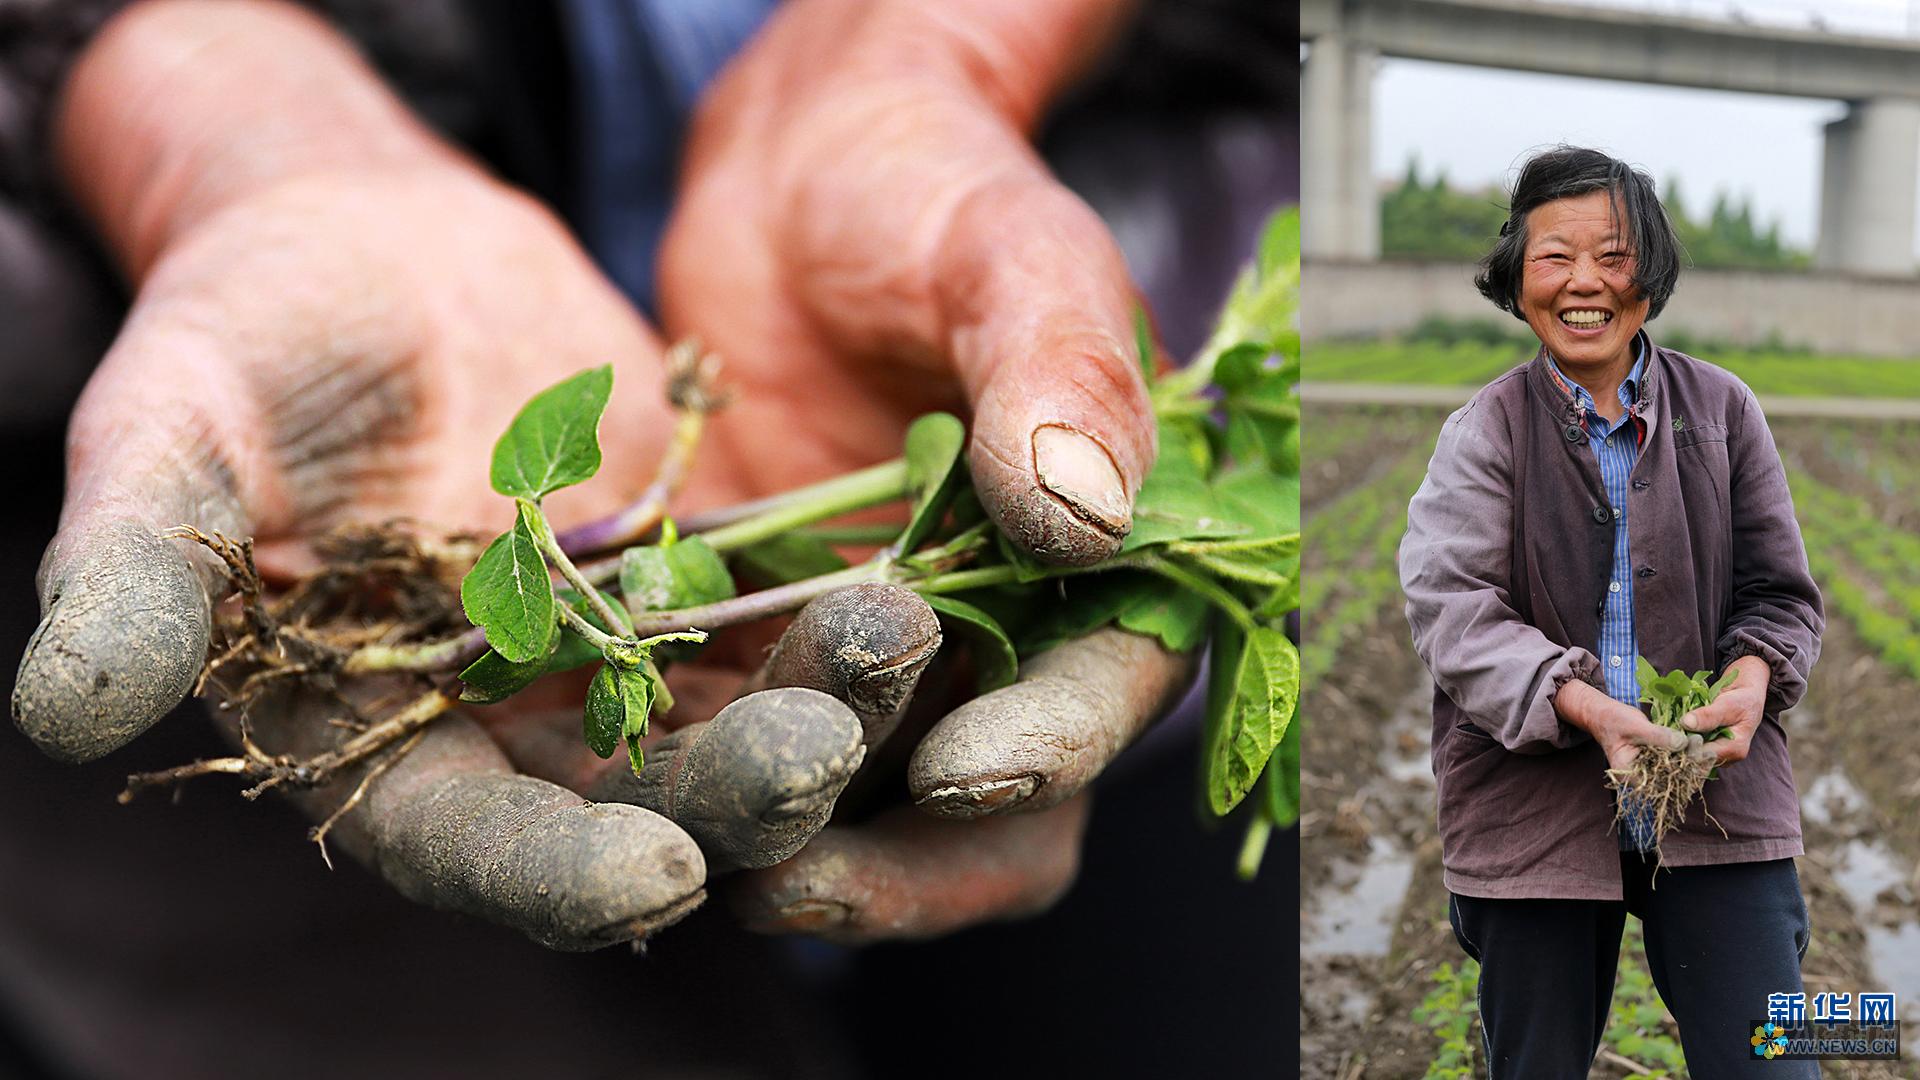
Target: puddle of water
(1864, 871)
(1895, 956)
(1355, 918)
(1831, 792)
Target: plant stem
(429, 656)
(755, 606)
(744, 524)
(766, 518)
(644, 514)
(962, 580)
(594, 636)
(1254, 847)
(1205, 586)
(855, 534)
(550, 547)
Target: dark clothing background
(206, 939)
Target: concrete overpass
(1871, 163)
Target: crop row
(1879, 455)
(1845, 538)
(1329, 433)
(1353, 543)
(1469, 363)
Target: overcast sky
(1477, 123)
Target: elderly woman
(1606, 500)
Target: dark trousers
(1719, 940)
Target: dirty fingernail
(967, 801)
(807, 916)
(1078, 470)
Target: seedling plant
(1656, 789)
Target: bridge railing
(1864, 18)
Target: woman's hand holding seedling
(1736, 711)
(1621, 730)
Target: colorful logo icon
(1769, 1041)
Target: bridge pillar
(1871, 166)
(1338, 194)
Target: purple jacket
(1505, 566)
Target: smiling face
(1577, 291)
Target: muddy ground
(1373, 919)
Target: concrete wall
(1868, 316)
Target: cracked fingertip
(965, 802)
(1062, 500)
(810, 916)
(119, 646)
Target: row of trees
(1431, 220)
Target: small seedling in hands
(1656, 789)
(1213, 555)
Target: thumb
(125, 611)
(1039, 317)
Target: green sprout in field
(1212, 559)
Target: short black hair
(1562, 173)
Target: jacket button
(1574, 434)
(1602, 515)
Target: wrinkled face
(1576, 289)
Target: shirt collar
(1629, 387)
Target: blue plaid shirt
(1617, 447)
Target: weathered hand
(335, 317)
(1738, 708)
(864, 227)
(1620, 729)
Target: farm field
(1375, 940)
(1474, 363)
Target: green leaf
(1280, 553)
(668, 577)
(1176, 504)
(493, 678)
(1722, 684)
(606, 711)
(508, 593)
(994, 662)
(1143, 344)
(1251, 695)
(935, 443)
(789, 557)
(619, 700)
(637, 692)
(1266, 503)
(1279, 250)
(1645, 673)
(1164, 610)
(1281, 781)
(554, 440)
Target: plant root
(378, 585)
(1661, 784)
(269, 771)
